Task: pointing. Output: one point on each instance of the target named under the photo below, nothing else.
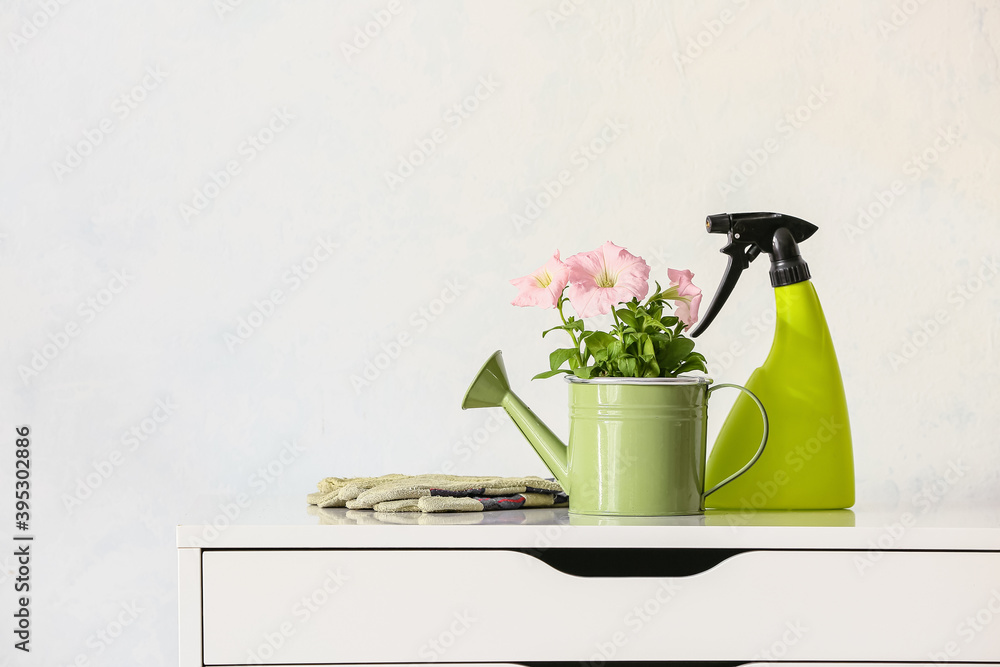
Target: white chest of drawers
(272, 581)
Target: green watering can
(637, 446)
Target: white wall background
(698, 88)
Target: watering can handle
(763, 440)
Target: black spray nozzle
(719, 224)
(751, 234)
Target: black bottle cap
(787, 265)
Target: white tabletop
(289, 522)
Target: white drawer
(364, 606)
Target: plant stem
(576, 342)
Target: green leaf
(627, 366)
(585, 352)
(669, 320)
(561, 356)
(654, 322)
(661, 340)
(628, 318)
(548, 374)
(583, 372)
(692, 365)
(598, 340)
(674, 354)
(647, 351)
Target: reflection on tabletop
(730, 518)
(340, 517)
(548, 516)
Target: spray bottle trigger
(740, 255)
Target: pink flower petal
(687, 310)
(544, 286)
(603, 278)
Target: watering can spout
(491, 389)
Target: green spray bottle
(809, 461)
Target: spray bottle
(809, 461)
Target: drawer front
(359, 606)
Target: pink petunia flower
(601, 279)
(687, 309)
(543, 287)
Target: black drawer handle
(624, 562)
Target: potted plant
(644, 341)
(637, 419)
